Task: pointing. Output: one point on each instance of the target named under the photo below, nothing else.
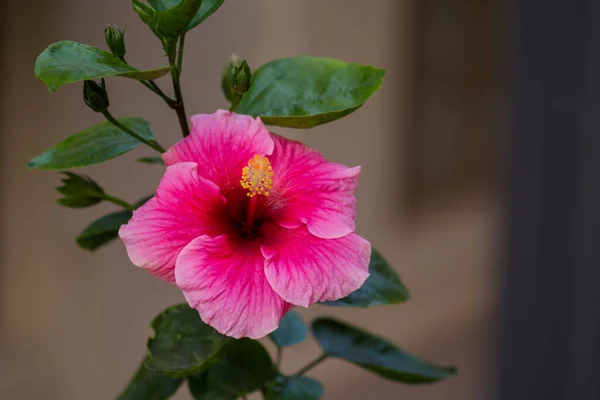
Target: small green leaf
(79, 191)
(291, 331)
(67, 62)
(207, 8)
(375, 354)
(151, 160)
(183, 345)
(93, 145)
(168, 20)
(295, 388)
(304, 92)
(150, 385)
(383, 286)
(103, 230)
(244, 367)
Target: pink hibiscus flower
(249, 224)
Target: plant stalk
(234, 103)
(175, 72)
(156, 89)
(115, 122)
(119, 202)
(311, 365)
(180, 55)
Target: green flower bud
(115, 39)
(242, 78)
(79, 191)
(233, 64)
(95, 96)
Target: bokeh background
(434, 193)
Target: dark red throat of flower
(257, 178)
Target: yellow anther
(257, 176)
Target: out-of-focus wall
(74, 324)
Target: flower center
(257, 176)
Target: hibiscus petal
(304, 269)
(185, 206)
(224, 280)
(308, 189)
(221, 144)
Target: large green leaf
(183, 345)
(291, 331)
(375, 354)
(303, 92)
(150, 385)
(93, 145)
(295, 388)
(66, 62)
(202, 389)
(244, 367)
(207, 8)
(103, 230)
(383, 286)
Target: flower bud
(241, 78)
(115, 39)
(233, 64)
(95, 96)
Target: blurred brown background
(74, 324)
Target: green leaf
(383, 286)
(244, 367)
(375, 354)
(183, 345)
(207, 8)
(151, 160)
(67, 62)
(202, 389)
(168, 20)
(150, 385)
(291, 331)
(79, 191)
(103, 230)
(295, 388)
(304, 92)
(93, 145)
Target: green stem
(180, 55)
(278, 357)
(235, 102)
(151, 143)
(156, 89)
(311, 365)
(119, 202)
(179, 107)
